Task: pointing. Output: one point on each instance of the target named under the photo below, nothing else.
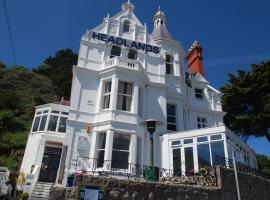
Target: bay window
(101, 149)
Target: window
(202, 139)
(189, 162)
(62, 124)
(188, 141)
(120, 151)
(198, 93)
(126, 27)
(124, 97)
(203, 155)
(176, 143)
(132, 54)
(40, 121)
(169, 64)
(115, 51)
(217, 149)
(177, 162)
(201, 122)
(171, 117)
(216, 137)
(101, 149)
(107, 95)
(53, 123)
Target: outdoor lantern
(151, 173)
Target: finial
(129, 1)
(158, 7)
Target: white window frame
(170, 64)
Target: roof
(161, 33)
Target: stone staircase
(41, 191)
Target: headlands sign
(125, 42)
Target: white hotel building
(124, 77)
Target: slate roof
(161, 33)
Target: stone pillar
(114, 89)
(108, 150)
(226, 153)
(135, 98)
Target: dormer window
(169, 64)
(115, 51)
(132, 54)
(198, 93)
(126, 26)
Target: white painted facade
(138, 89)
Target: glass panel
(39, 112)
(217, 149)
(171, 127)
(177, 162)
(189, 162)
(126, 26)
(121, 141)
(64, 113)
(198, 93)
(45, 111)
(132, 54)
(100, 158)
(171, 110)
(202, 139)
(107, 87)
(216, 137)
(115, 51)
(52, 123)
(43, 123)
(102, 140)
(106, 102)
(203, 155)
(62, 125)
(35, 126)
(188, 141)
(120, 159)
(55, 111)
(171, 119)
(178, 142)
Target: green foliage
(246, 101)
(264, 164)
(58, 69)
(2, 65)
(25, 196)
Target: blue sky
(233, 33)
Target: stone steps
(41, 191)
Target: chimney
(195, 59)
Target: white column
(113, 100)
(135, 99)
(133, 149)
(226, 149)
(195, 158)
(99, 97)
(108, 150)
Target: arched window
(115, 51)
(169, 64)
(126, 26)
(132, 54)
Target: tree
(264, 164)
(246, 101)
(59, 69)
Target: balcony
(123, 63)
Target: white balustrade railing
(122, 62)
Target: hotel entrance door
(50, 164)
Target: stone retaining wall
(251, 188)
